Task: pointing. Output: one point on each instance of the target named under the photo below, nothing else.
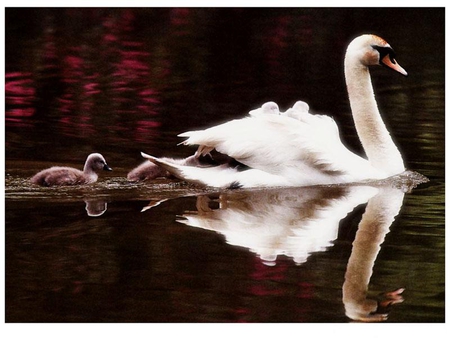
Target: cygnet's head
(96, 162)
(270, 108)
(298, 110)
(267, 108)
(301, 106)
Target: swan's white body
(297, 148)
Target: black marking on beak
(385, 51)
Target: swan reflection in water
(297, 222)
(380, 212)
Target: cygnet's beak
(107, 168)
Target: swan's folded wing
(326, 152)
(277, 143)
(248, 139)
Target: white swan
(302, 149)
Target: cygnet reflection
(95, 208)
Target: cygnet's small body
(149, 171)
(56, 176)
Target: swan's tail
(221, 176)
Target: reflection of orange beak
(393, 65)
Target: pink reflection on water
(282, 34)
(264, 273)
(20, 112)
(20, 96)
(133, 97)
(145, 128)
(77, 101)
(107, 86)
(265, 282)
(79, 126)
(180, 18)
(83, 87)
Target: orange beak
(393, 65)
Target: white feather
(297, 148)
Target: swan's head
(373, 50)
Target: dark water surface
(128, 80)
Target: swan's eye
(385, 51)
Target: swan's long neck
(375, 138)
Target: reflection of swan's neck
(380, 213)
(375, 138)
